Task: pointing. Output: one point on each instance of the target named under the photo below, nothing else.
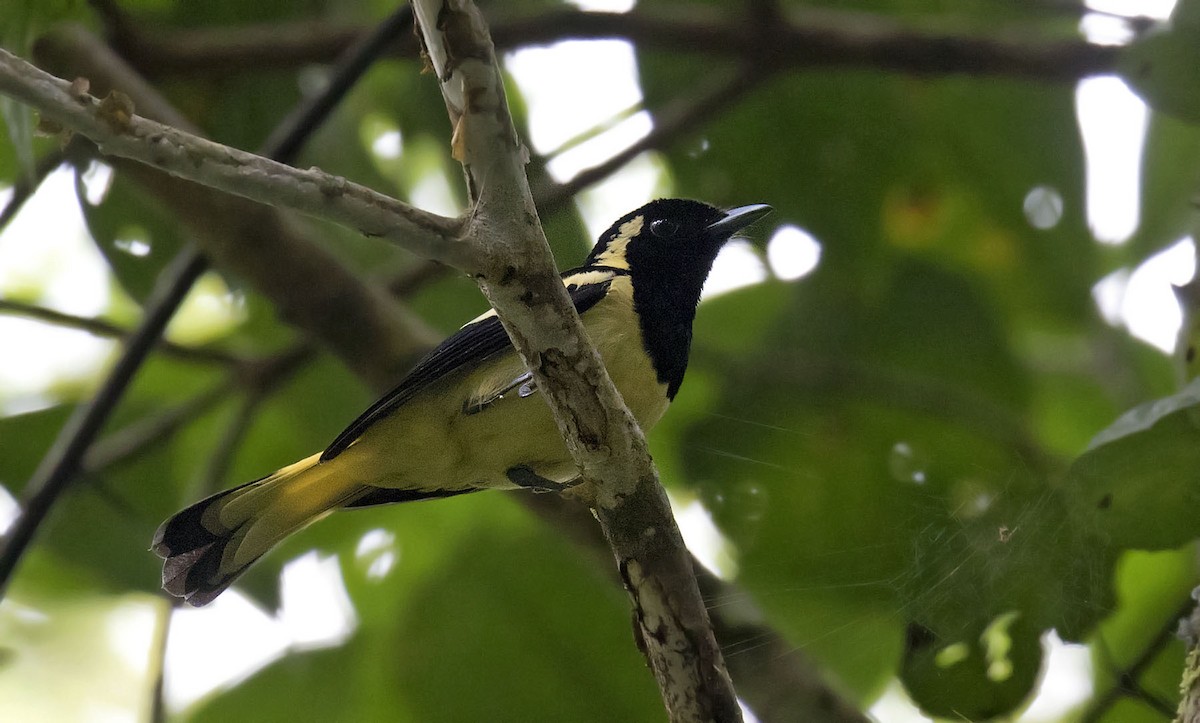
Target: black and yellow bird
(468, 416)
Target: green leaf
(879, 167)
(1152, 588)
(1170, 182)
(24, 439)
(1142, 418)
(1136, 485)
(985, 674)
(1160, 65)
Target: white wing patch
(614, 252)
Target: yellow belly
(433, 443)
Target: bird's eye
(664, 228)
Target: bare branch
(517, 275)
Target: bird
(469, 416)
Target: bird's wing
(479, 340)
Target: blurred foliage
(924, 456)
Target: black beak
(737, 219)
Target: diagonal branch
(517, 274)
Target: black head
(672, 236)
(668, 247)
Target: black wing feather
(472, 344)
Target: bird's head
(671, 238)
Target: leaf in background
(1170, 182)
(1137, 484)
(104, 521)
(24, 439)
(945, 680)
(878, 167)
(884, 477)
(19, 122)
(135, 234)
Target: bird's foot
(524, 476)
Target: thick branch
(799, 39)
(117, 131)
(517, 274)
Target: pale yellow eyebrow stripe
(614, 253)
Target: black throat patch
(665, 307)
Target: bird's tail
(207, 545)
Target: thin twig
(285, 141)
(111, 330)
(1126, 680)
(211, 481)
(158, 657)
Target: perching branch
(516, 273)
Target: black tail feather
(192, 552)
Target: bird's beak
(737, 219)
